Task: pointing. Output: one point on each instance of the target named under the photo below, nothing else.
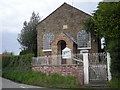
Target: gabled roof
(64, 4)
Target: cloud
(10, 43)
(15, 12)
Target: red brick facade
(65, 70)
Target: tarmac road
(6, 84)
(10, 84)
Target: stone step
(97, 84)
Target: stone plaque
(65, 27)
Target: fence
(97, 58)
(56, 60)
(94, 58)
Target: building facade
(65, 28)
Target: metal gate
(97, 67)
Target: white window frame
(47, 39)
(47, 50)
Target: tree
(28, 36)
(8, 53)
(106, 23)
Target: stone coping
(59, 65)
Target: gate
(97, 67)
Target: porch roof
(70, 37)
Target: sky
(15, 12)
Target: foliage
(7, 53)
(28, 36)
(90, 26)
(107, 19)
(106, 23)
(114, 49)
(5, 61)
(40, 79)
(18, 68)
(115, 83)
(0, 66)
(22, 62)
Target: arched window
(84, 40)
(47, 39)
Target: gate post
(108, 66)
(86, 68)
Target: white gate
(98, 67)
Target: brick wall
(65, 70)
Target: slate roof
(70, 37)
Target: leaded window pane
(47, 39)
(84, 39)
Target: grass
(40, 79)
(51, 81)
(115, 83)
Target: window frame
(89, 41)
(47, 39)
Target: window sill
(47, 50)
(84, 48)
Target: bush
(114, 49)
(115, 83)
(22, 62)
(5, 61)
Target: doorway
(61, 46)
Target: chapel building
(65, 28)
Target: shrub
(5, 61)
(22, 62)
(115, 83)
(114, 49)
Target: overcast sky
(15, 12)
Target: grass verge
(40, 79)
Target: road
(10, 84)
(6, 84)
